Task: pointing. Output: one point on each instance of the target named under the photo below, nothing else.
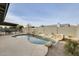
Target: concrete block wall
(47, 30)
(77, 32)
(66, 30)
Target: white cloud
(24, 20)
(15, 19)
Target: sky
(38, 14)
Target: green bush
(72, 48)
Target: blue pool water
(33, 39)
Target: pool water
(33, 39)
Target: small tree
(19, 28)
(42, 26)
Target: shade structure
(3, 11)
(8, 24)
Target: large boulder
(59, 36)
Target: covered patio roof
(8, 24)
(3, 11)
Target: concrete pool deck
(57, 50)
(10, 46)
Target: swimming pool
(33, 39)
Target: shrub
(72, 48)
